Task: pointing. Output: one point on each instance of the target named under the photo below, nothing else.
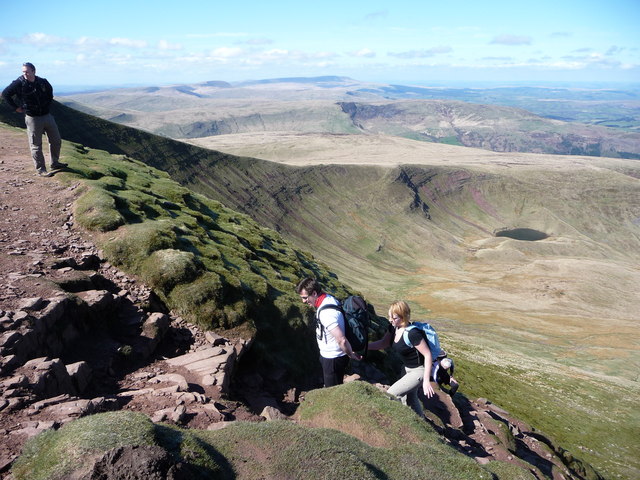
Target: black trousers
(333, 370)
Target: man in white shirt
(335, 349)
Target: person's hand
(428, 389)
(355, 356)
(19, 110)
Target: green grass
(601, 428)
(215, 267)
(55, 454)
(396, 444)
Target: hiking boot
(58, 165)
(43, 173)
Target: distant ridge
(216, 83)
(608, 106)
(305, 80)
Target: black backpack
(356, 321)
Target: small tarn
(526, 234)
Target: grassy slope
(300, 195)
(395, 445)
(509, 298)
(214, 266)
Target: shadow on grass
(204, 461)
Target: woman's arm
(423, 348)
(384, 342)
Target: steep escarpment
(500, 129)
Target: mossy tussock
(277, 449)
(56, 453)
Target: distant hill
(326, 81)
(537, 120)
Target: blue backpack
(430, 335)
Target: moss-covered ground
(365, 435)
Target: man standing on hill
(335, 349)
(32, 96)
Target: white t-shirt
(329, 318)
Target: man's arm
(343, 343)
(49, 90)
(8, 94)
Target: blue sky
(413, 42)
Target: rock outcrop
(69, 355)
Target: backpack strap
(323, 333)
(405, 335)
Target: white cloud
(629, 66)
(217, 35)
(614, 49)
(277, 54)
(90, 42)
(42, 39)
(164, 45)
(498, 59)
(259, 41)
(320, 55)
(377, 14)
(512, 40)
(363, 53)
(227, 52)
(431, 52)
(127, 42)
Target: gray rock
(48, 378)
(15, 382)
(272, 413)
(80, 374)
(214, 339)
(8, 339)
(35, 303)
(98, 299)
(179, 380)
(179, 414)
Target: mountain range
(538, 120)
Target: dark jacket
(34, 97)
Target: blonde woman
(416, 358)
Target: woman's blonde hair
(402, 310)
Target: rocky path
(115, 347)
